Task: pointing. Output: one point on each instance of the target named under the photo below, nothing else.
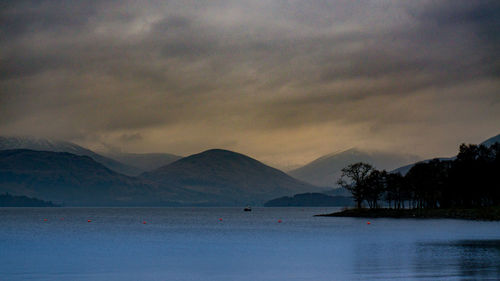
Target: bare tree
(354, 178)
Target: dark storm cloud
(245, 74)
(19, 18)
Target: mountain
(144, 161)
(68, 178)
(222, 177)
(326, 170)
(405, 169)
(489, 142)
(310, 200)
(64, 146)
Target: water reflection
(467, 259)
(381, 261)
(444, 260)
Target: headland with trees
(468, 186)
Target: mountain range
(66, 177)
(66, 173)
(131, 164)
(211, 178)
(44, 144)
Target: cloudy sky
(282, 81)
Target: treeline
(7, 200)
(471, 180)
(309, 200)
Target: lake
(229, 244)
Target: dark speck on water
(193, 244)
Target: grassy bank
(490, 213)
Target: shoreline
(485, 214)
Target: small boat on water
(247, 209)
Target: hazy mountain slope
(68, 178)
(64, 146)
(225, 177)
(489, 142)
(405, 169)
(326, 170)
(145, 161)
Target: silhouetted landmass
(7, 200)
(222, 177)
(469, 181)
(488, 213)
(310, 200)
(466, 187)
(212, 178)
(68, 178)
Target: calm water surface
(194, 244)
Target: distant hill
(310, 200)
(326, 170)
(337, 192)
(489, 142)
(68, 178)
(405, 169)
(222, 177)
(42, 144)
(7, 200)
(145, 161)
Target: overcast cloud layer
(282, 81)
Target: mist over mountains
(43, 144)
(131, 164)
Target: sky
(282, 81)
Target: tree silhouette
(395, 191)
(470, 181)
(354, 178)
(375, 187)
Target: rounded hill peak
(218, 154)
(218, 151)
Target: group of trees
(470, 180)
